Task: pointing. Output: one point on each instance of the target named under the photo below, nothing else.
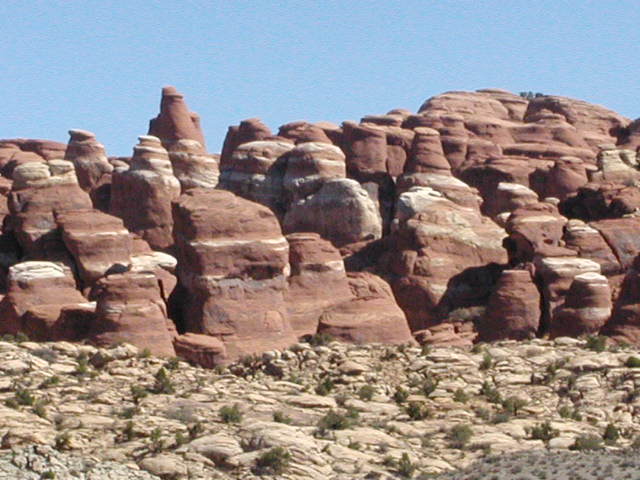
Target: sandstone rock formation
(175, 121)
(142, 195)
(233, 262)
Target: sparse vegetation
(230, 413)
(459, 436)
(274, 461)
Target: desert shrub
(567, 412)
(320, 339)
(334, 421)
(162, 382)
(274, 461)
(138, 393)
(172, 364)
(230, 413)
(632, 362)
(155, 441)
(530, 95)
(596, 343)
(406, 467)
(418, 411)
(429, 386)
(543, 431)
(459, 436)
(50, 381)
(490, 392)
(400, 395)
(513, 404)
(460, 396)
(587, 442)
(611, 434)
(195, 429)
(325, 386)
(366, 392)
(281, 417)
(487, 361)
(63, 441)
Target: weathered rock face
(566, 177)
(41, 191)
(175, 121)
(96, 241)
(233, 262)
(248, 131)
(37, 292)
(513, 309)
(309, 166)
(372, 316)
(192, 166)
(142, 195)
(129, 309)
(535, 229)
(91, 164)
(202, 350)
(255, 171)
(17, 151)
(318, 281)
(303, 132)
(624, 324)
(435, 240)
(586, 309)
(616, 165)
(556, 275)
(341, 211)
(595, 201)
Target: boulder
(248, 131)
(203, 350)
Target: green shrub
(63, 441)
(400, 395)
(490, 392)
(274, 461)
(513, 405)
(24, 397)
(460, 396)
(406, 468)
(145, 353)
(418, 411)
(596, 343)
(487, 361)
(632, 362)
(567, 412)
(195, 429)
(138, 393)
(163, 383)
(172, 364)
(320, 339)
(281, 417)
(50, 381)
(429, 386)
(230, 413)
(334, 421)
(366, 392)
(459, 436)
(587, 442)
(324, 387)
(156, 442)
(611, 434)
(543, 431)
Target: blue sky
(100, 65)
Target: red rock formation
(303, 132)
(341, 211)
(433, 241)
(192, 166)
(37, 292)
(250, 130)
(21, 150)
(372, 316)
(586, 309)
(624, 324)
(233, 262)
(129, 309)
(96, 241)
(41, 191)
(513, 310)
(89, 159)
(142, 195)
(203, 350)
(318, 280)
(175, 121)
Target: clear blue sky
(99, 65)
